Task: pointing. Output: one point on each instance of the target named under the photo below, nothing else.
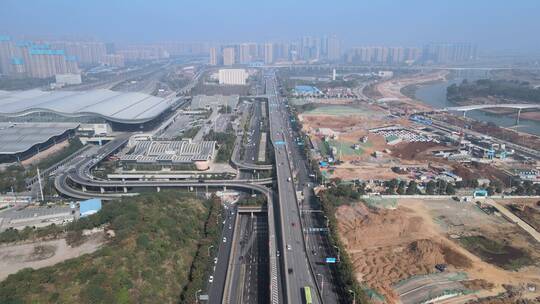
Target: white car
(289, 247)
(215, 260)
(211, 279)
(224, 240)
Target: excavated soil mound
(387, 246)
(412, 150)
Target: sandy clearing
(42, 254)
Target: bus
(307, 295)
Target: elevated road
(238, 163)
(296, 272)
(250, 153)
(75, 180)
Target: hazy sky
(493, 24)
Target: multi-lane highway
(249, 157)
(314, 224)
(221, 260)
(296, 273)
(249, 276)
(289, 271)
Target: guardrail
(311, 270)
(52, 168)
(225, 299)
(241, 165)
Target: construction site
(368, 141)
(419, 250)
(426, 250)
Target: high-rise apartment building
(213, 56)
(449, 52)
(6, 54)
(228, 56)
(115, 60)
(268, 53)
(333, 50)
(28, 59)
(44, 63)
(383, 55)
(248, 52)
(86, 52)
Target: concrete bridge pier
(125, 189)
(84, 188)
(158, 189)
(102, 189)
(517, 118)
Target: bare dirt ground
(527, 209)
(387, 246)
(392, 88)
(351, 128)
(44, 154)
(42, 254)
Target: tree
(498, 187)
(402, 187)
(412, 188)
(450, 189)
(431, 187)
(442, 184)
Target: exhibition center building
(122, 110)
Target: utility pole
(40, 185)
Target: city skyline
(385, 23)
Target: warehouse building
(171, 153)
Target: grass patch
(346, 147)
(491, 251)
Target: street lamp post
(322, 284)
(210, 247)
(353, 295)
(197, 295)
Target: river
(435, 95)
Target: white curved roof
(124, 107)
(19, 137)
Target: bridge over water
(518, 106)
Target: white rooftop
(126, 107)
(17, 138)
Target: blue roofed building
(89, 207)
(305, 90)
